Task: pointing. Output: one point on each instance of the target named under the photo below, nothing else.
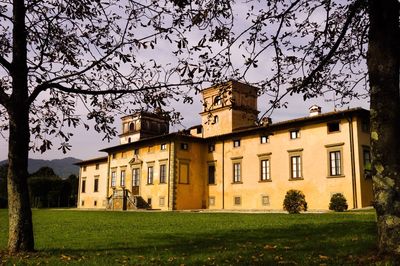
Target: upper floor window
(150, 174)
(367, 162)
(365, 125)
(264, 139)
(163, 147)
(184, 146)
(211, 147)
(96, 185)
(163, 173)
(97, 166)
(114, 156)
(83, 185)
(237, 177)
(335, 163)
(211, 174)
(333, 127)
(295, 166)
(136, 151)
(113, 179)
(236, 143)
(265, 170)
(295, 134)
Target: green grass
(157, 238)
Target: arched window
(216, 119)
(217, 100)
(132, 127)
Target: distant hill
(62, 167)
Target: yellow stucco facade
(233, 163)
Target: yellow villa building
(229, 162)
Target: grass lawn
(157, 238)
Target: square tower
(228, 107)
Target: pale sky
(85, 144)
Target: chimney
(265, 121)
(315, 110)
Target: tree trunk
(383, 68)
(20, 233)
(20, 237)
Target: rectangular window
(237, 173)
(135, 177)
(97, 166)
(163, 147)
(211, 174)
(96, 185)
(367, 163)
(365, 125)
(183, 173)
(84, 168)
(161, 201)
(236, 143)
(265, 200)
(136, 151)
(237, 200)
(295, 168)
(184, 146)
(211, 201)
(114, 156)
(150, 174)
(294, 134)
(149, 201)
(335, 163)
(113, 179)
(265, 170)
(95, 203)
(83, 185)
(333, 127)
(163, 173)
(211, 147)
(122, 180)
(264, 139)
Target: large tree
(57, 56)
(345, 48)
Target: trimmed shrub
(295, 201)
(338, 203)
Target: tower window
(215, 119)
(217, 100)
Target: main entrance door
(135, 181)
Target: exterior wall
(223, 126)
(148, 156)
(190, 194)
(364, 192)
(90, 198)
(313, 145)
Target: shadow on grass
(332, 243)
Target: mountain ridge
(62, 167)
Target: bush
(338, 203)
(295, 201)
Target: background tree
(59, 56)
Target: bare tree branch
(46, 86)
(7, 65)
(307, 80)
